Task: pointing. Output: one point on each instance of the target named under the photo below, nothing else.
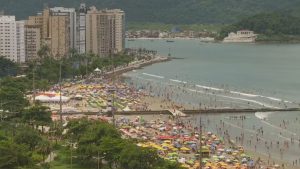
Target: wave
(219, 89)
(178, 81)
(147, 74)
(244, 94)
(279, 128)
(224, 96)
(209, 88)
(262, 115)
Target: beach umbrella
(243, 155)
(244, 160)
(221, 157)
(184, 149)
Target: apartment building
(81, 29)
(105, 31)
(8, 38)
(20, 43)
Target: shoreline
(221, 42)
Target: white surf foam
(147, 74)
(178, 81)
(209, 88)
(243, 94)
(279, 128)
(262, 115)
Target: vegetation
(25, 142)
(269, 26)
(22, 146)
(7, 68)
(134, 26)
(47, 68)
(101, 140)
(165, 11)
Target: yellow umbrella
(185, 149)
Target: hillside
(165, 11)
(269, 26)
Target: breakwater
(137, 66)
(190, 112)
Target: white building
(8, 39)
(20, 35)
(241, 36)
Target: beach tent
(78, 97)
(126, 109)
(42, 98)
(97, 70)
(57, 99)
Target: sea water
(219, 75)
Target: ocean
(218, 75)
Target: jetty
(185, 113)
(138, 65)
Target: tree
(44, 52)
(44, 147)
(12, 99)
(133, 157)
(22, 83)
(38, 115)
(13, 155)
(28, 137)
(7, 67)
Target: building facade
(20, 35)
(105, 31)
(32, 41)
(85, 30)
(59, 36)
(8, 38)
(81, 29)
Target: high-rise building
(8, 39)
(59, 39)
(32, 40)
(20, 35)
(81, 29)
(105, 31)
(70, 13)
(101, 32)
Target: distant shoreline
(177, 38)
(218, 41)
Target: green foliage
(47, 68)
(270, 26)
(12, 99)
(39, 115)
(28, 137)
(98, 139)
(22, 84)
(7, 67)
(135, 26)
(133, 157)
(164, 11)
(21, 146)
(13, 155)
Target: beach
(271, 136)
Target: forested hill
(165, 11)
(269, 26)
